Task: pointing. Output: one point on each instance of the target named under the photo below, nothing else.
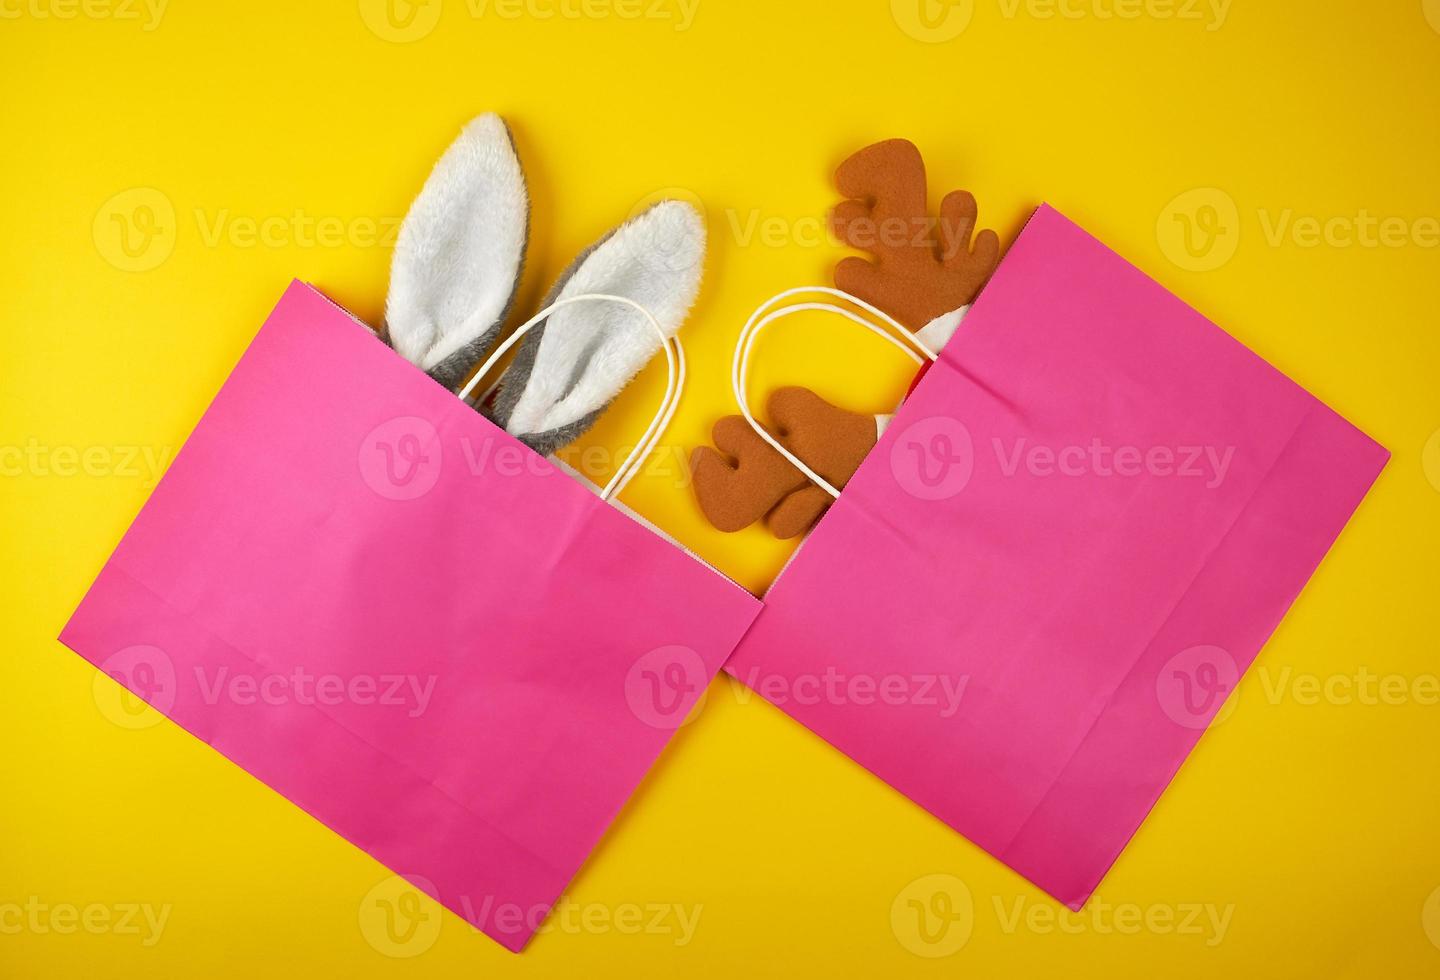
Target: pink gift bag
(1066, 548)
(399, 617)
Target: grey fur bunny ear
(459, 254)
(570, 367)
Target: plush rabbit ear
(459, 254)
(570, 367)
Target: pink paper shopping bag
(391, 612)
(1068, 545)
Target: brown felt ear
(921, 268)
(798, 512)
(747, 479)
(830, 440)
(744, 480)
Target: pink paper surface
(1092, 609)
(338, 521)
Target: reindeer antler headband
(924, 272)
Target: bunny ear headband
(457, 267)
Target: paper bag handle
(674, 358)
(760, 319)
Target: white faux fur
(937, 333)
(459, 252)
(590, 351)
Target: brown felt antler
(747, 479)
(922, 269)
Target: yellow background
(1314, 824)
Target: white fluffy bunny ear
(459, 254)
(570, 367)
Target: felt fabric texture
(573, 365)
(937, 333)
(922, 269)
(747, 479)
(924, 272)
(743, 478)
(512, 384)
(798, 512)
(457, 267)
(830, 440)
(459, 254)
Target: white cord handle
(675, 360)
(760, 319)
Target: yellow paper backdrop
(166, 168)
